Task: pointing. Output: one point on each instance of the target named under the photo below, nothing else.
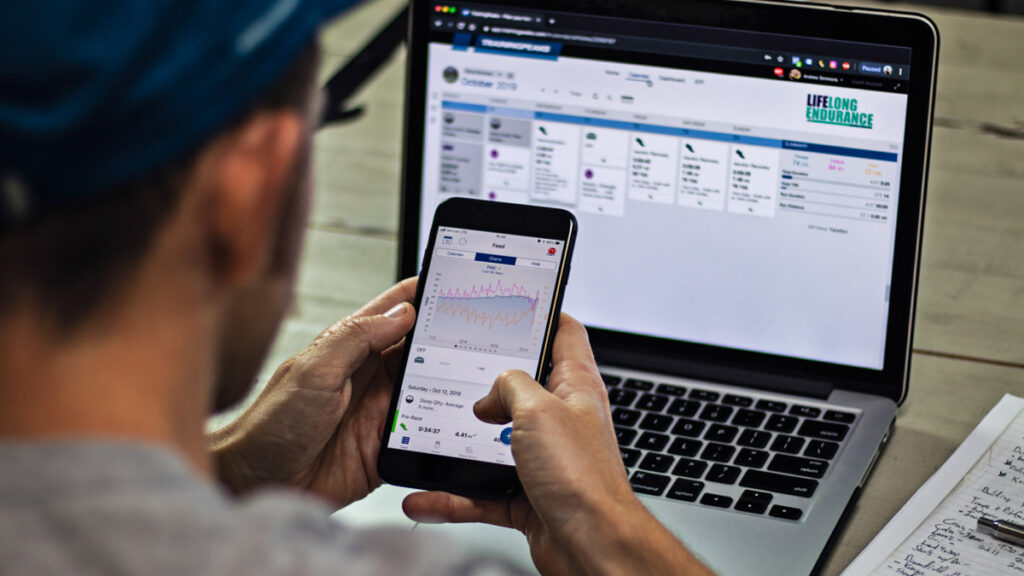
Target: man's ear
(247, 176)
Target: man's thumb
(351, 340)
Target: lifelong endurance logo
(824, 109)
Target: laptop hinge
(767, 381)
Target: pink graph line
(491, 290)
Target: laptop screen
(735, 189)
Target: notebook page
(947, 543)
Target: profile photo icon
(451, 74)
(795, 74)
(887, 70)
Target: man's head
(112, 158)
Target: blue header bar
(495, 259)
(840, 151)
(672, 131)
(462, 41)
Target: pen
(1002, 529)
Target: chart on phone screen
(488, 293)
(503, 316)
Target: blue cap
(97, 93)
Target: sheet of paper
(935, 532)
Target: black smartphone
(488, 300)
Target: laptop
(749, 181)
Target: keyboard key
(649, 483)
(629, 456)
(610, 380)
(625, 436)
(771, 406)
(716, 452)
(837, 416)
(656, 422)
(757, 495)
(685, 447)
(754, 438)
(805, 411)
(716, 500)
(788, 444)
(780, 423)
(705, 395)
(771, 482)
(748, 418)
(821, 449)
(690, 468)
(721, 433)
(734, 400)
(785, 512)
(750, 506)
(623, 417)
(641, 385)
(751, 458)
(686, 490)
(716, 413)
(620, 397)
(723, 474)
(691, 428)
(824, 430)
(753, 501)
(657, 462)
(652, 441)
(798, 466)
(671, 390)
(685, 408)
(652, 402)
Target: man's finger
(404, 291)
(349, 342)
(435, 507)
(572, 356)
(572, 342)
(512, 391)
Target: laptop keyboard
(724, 450)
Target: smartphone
(488, 300)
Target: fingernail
(429, 519)
(398, 311)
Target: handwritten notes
(947, 542)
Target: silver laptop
(749, 181)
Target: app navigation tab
(495, 259)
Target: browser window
(740, 195)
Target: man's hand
(578, 511)
(318, 423)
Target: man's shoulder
(92, 508)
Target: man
(154, 182)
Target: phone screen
(486, 307)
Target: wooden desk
(969, 338)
